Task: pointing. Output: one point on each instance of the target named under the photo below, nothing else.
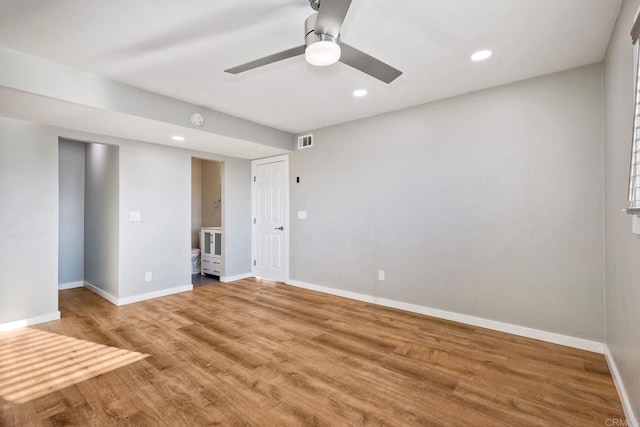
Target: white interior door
(270, 221)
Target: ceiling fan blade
(285, 54)
(331, 16)
(368, 64)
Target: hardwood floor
(258, 353)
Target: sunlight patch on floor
(34, 363)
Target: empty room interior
(320, 212)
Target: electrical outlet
(148, 276)
(381, 275)
(302, 214)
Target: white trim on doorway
(254, 163)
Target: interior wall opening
(207, 264)
(88, 216)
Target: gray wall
(488, 204)
(28, 221)
(156, 181)
(236, 216)
(71, 227)
(101, 217)
(211, 193)
(153, 179)
(622, 247)
(196, 202)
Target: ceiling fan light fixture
(322, 53)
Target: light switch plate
(135, 216)
(302, 214)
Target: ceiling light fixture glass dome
(322, 53)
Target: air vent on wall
(305, 141)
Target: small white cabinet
(211, 251)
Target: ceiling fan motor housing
(310, 36)
(320, 49)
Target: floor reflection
(34, 363)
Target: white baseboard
(104, 294)
(155, 294)
(70, 285)
(580, 343)
(332, 291)
(632, 420)
(16, 324)
(136, 298)
(552, 337)
(227, 279)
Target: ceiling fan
(322, 45)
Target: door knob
(281, 228)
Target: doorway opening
(207, 258)
(88, 239)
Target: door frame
(283, 158)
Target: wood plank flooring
(259, 353)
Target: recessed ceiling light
(359, 93)
(481, 55)
(177, 138)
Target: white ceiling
(180, 49)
